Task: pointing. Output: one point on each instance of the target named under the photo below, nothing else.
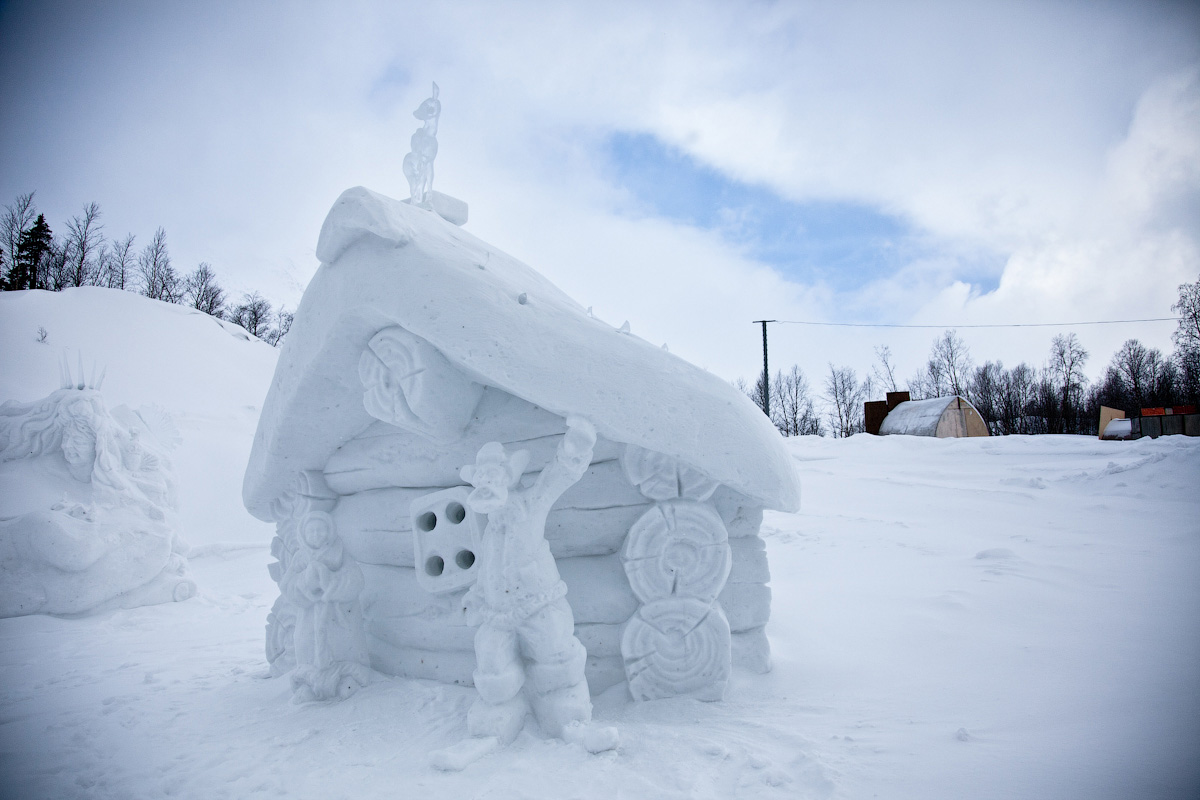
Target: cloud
(1038, 160)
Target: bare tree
(202, 292)
(15, 221)
(283, 324)
(56, 268)
(1017, 394)
(844, 397)
(116, 263)
(948, 371)
(1187, 331)
(884, 371)
(1067, 357)
(1134, 364)
(83, 245)
(1187, 340)
(953, 362)
(158, 277)
(986, 393)
(755, 392)
(253, 314)
(792, 410)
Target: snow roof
(918, 417)
(385, 262)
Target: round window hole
(465, 559)
(427, 521)
(456, 513)
(434, 566)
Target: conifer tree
(32, 252)
(16, 219)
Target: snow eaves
(385, 262)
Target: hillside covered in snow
(984, 618)
(209, 375)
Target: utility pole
(766, 379)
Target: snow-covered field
(999, 618)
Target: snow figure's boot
(562, 702)
(567, 714)
(494, 720)
(563, 669)
(594, 738)
(501, 708)
(501, 720)
(558, 688)
(499, 683)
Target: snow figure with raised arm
(418, 164)
(527, 656)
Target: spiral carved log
(677, 559)
(678, 548)
(668, 653)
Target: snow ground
(999, 618)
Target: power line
(987, 325)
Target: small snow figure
(418, 164)
(526, 652)
(323, 585)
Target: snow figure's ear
(467, 473)
(517, 463)
(435, 90)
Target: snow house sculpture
(416, 344)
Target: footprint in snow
(999, 561)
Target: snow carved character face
(493, 475)
(491, 488)
(79, 440)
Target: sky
(685, 167)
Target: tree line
(1055, 397)
(32, 256)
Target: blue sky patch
(846, 245)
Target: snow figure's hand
(579, 441)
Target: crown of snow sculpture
(418, 351)
(87, 505)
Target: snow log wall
(414, 633)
